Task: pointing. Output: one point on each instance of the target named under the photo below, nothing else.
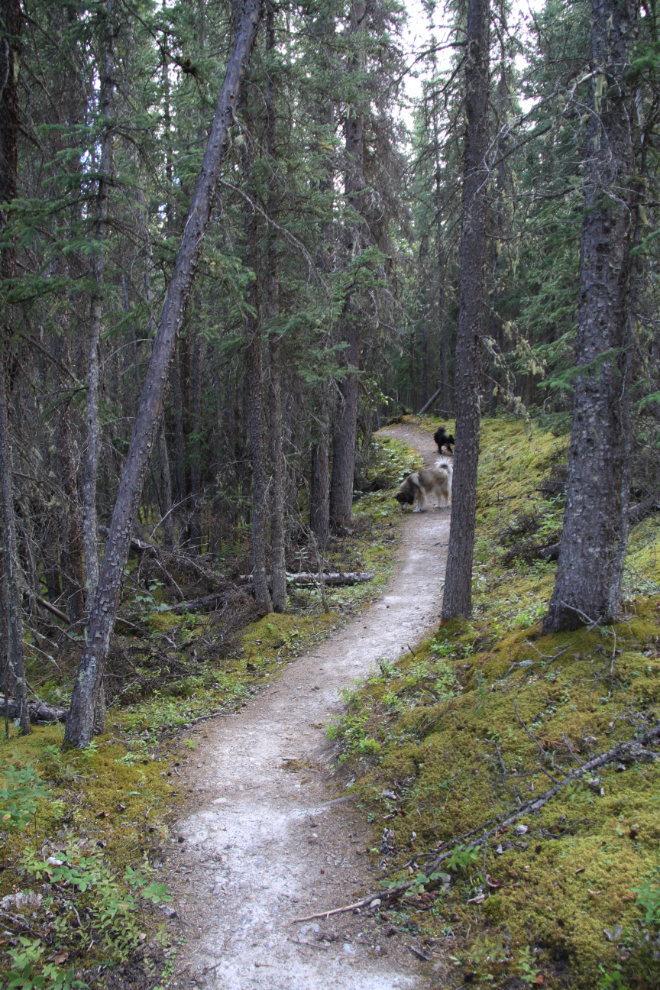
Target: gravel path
(269, 841)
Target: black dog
(443, 440)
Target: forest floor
(270, 835)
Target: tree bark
(345, 425)
(80, 724)
(258, 448)
(73, 548)
(179, 435)
(91, 461)
(457, 600)
(319, 513)
(277, 532)
(15, 660)
(595, 534)
(166, 482)
(255, 399)
(195, 442)
(11, 26)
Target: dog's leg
(423, 503)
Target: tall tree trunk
(179, 435)
(258, 448)
(277, 534)
(73, 549)
(11, 564)
(595, 533)
(319, 513)
(457, 599)
(442, 312)
(255, 397)
(11, 25)
(80, 723)
(166, 482)
(345, 426)
(91, 461)
(195, 442)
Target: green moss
(107, 804)
(158, 622)
(483, 715)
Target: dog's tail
(445, 467)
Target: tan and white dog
(418, 486)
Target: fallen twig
(131, 625)
(341, 910)
(537, 743)
(52, 609)
(548, 656)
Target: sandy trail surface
(269, 840)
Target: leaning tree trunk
(11, 24)
(91, 461)
(595, 533)
(80, 723)
(277, 544)
(457, 599)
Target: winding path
(267, 842)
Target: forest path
(267, 843)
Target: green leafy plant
(488, 957)
(527, 968)
(648, 900)
(19, 795)
(611, 980)
(463, 858)
(27, 973)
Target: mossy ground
(479, 719)
(110, 805)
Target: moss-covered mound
(486, 716)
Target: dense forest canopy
(323, 288)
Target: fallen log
(644, 508)
(209, 603)
(636, 514)
(40, 713)
(339, 578)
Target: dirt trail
(267, 842)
